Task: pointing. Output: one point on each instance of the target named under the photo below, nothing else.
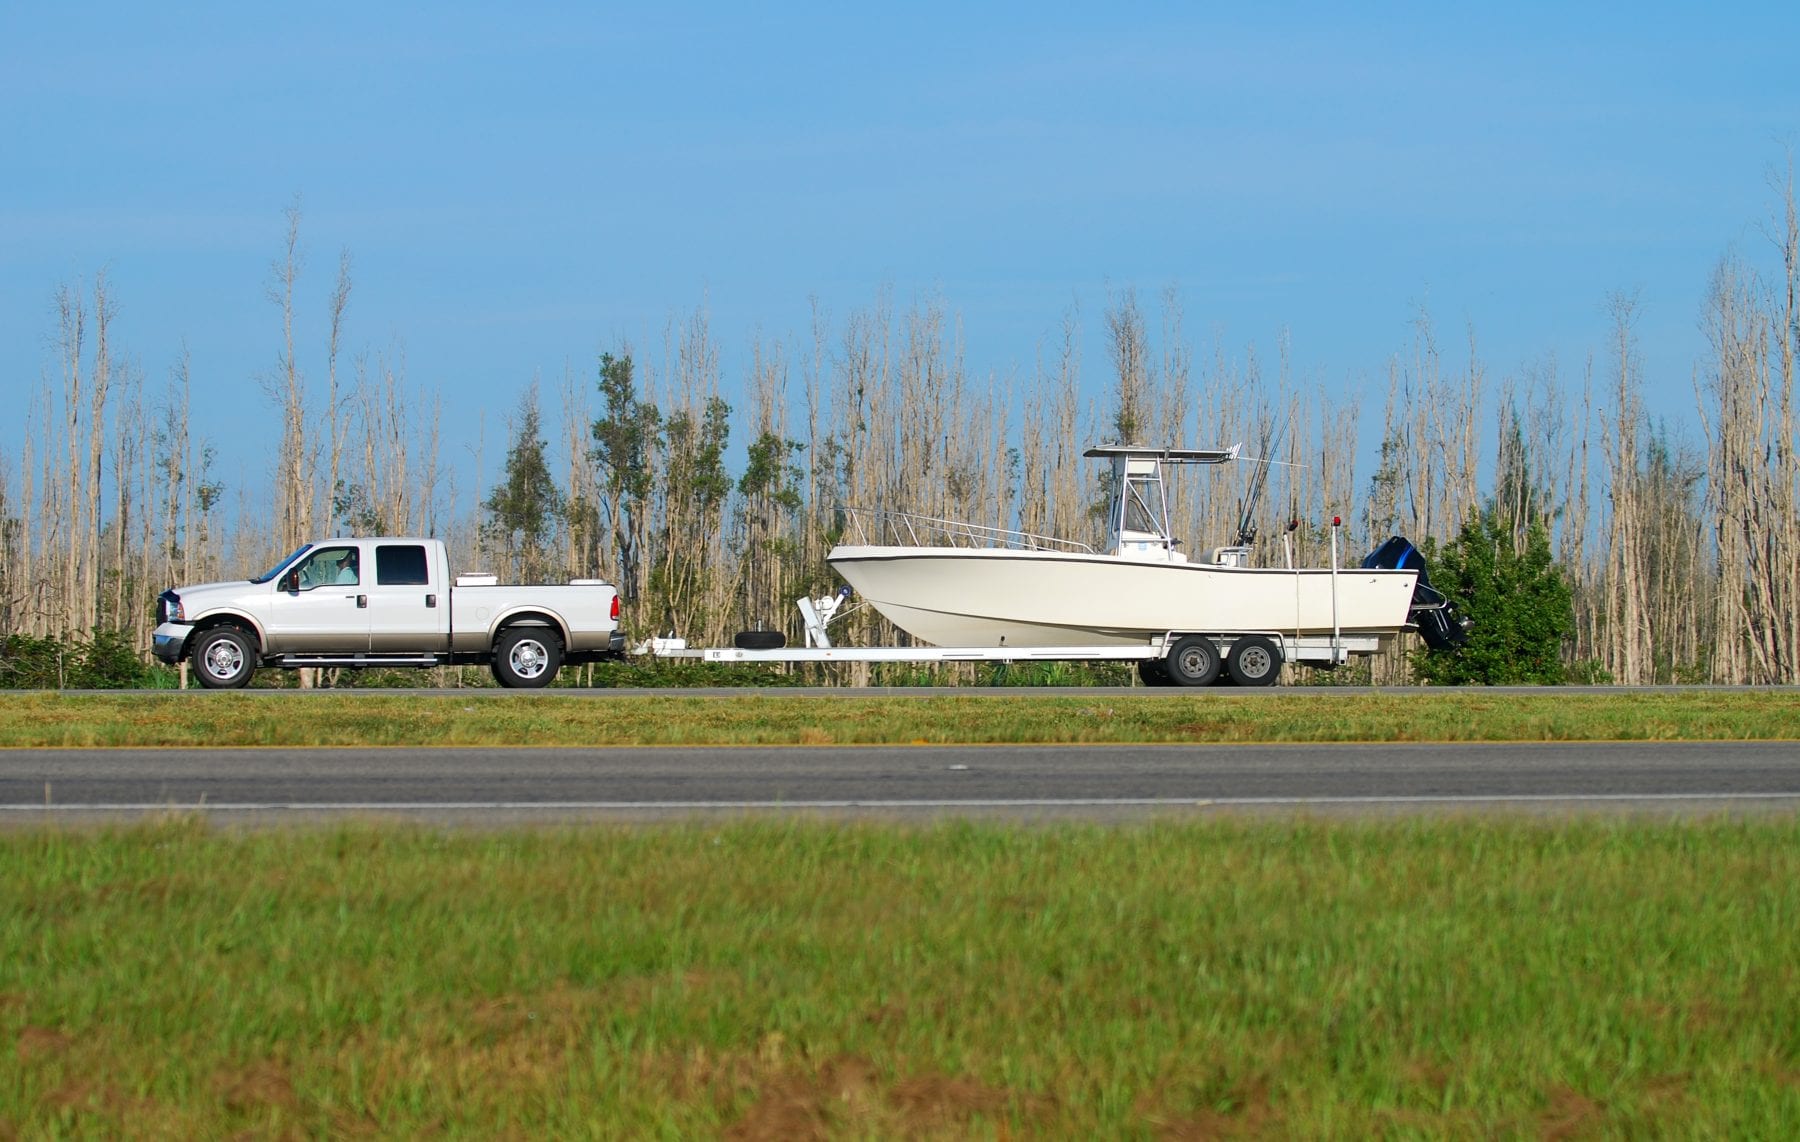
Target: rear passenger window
(400, 565)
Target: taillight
(615, 607)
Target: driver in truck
(330, 567)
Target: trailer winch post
(816, 613)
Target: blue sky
(522, 186)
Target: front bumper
(170, 641)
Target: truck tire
(1254, 661)
(1193, 661)
(224, 658)
(526, 658)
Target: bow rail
(880, 527)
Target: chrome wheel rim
(528, 658)
(224, 659)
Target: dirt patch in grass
(940, 1100)
(1570, 1114)
(105, 1099)
(1667, 1093)
(1247, 1111)
(254, 1087)
(845, 1096)
(815, 1104)
(1201, 731)
(1427, 1073)
(39, 1042)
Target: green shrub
(1517, 602)
(107, 661)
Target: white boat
(960, 585)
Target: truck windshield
(276, 570)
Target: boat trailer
(1248, 657)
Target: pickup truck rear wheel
(224, 658)
(527, 657)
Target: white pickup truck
(384, 602)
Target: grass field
(1473, 979)
(778, 980)
(775, 718)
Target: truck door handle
(431, 600)
(362, 600)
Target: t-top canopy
(1166, 455)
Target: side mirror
(290, 582)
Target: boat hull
(1002, 597)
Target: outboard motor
(1434, 615)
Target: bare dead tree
(295, 461)
(1128, 348)
(68, 495)
(1753, 479)
(334, 401)
(87, 521)
(1627, 653)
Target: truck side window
(401, 565)
(329, 566)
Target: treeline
(1682, 555)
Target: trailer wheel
(1254, 661)
(526, 657)
(1193, 661)
(1152, 672)
(224, 658)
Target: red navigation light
(1335, 521)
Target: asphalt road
(484, 785)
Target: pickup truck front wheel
(223, 658)
(527, 657)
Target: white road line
(946, 803)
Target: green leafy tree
(523, 512)
(625, 439)
(695, 486)
(1515, 598)
(768, 508)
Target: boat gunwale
(889, 553)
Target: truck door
(408, 612)
(320, 605)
